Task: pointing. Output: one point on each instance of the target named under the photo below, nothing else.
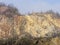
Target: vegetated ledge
(31, 29)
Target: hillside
(34, 26)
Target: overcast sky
(26, 6)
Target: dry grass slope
(31, 29)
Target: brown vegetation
(32, 29)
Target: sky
(27, 6)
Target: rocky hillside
(34, 25)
